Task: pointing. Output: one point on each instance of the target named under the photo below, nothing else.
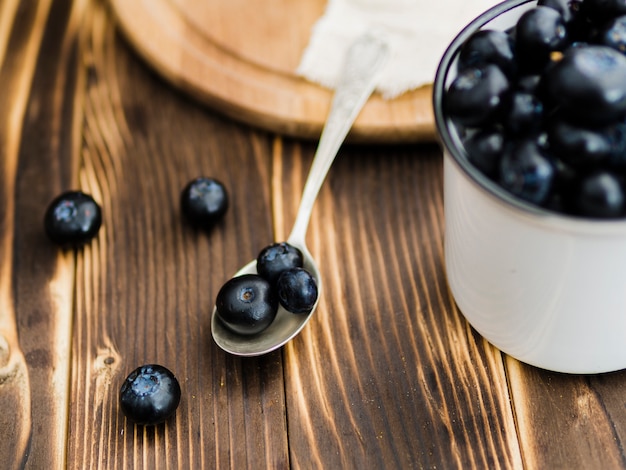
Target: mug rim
(454, 147)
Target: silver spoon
(363, 61)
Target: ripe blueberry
(555, 134)
(297, 290)
(526, 172)
(276, 258)
(614, 34)
(72, 219)
(204, 202)
(539, 32)
(578, 146)
(488, 47)
(484, 149)
(601, 196)
(149, 395)
(476, 95)
(246, 304)
(524, 113)
(588, 84)
(602, 10)
(566, 8)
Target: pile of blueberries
(245, 304)
(541, 107)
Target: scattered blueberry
(149, 395)
(72, 219)
(247, 304)
(297, 290)
(276, 258)
(204, 202)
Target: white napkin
(418, 32)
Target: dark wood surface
(388, 374)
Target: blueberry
(566, 8)
(614, 34)
(476, 95)
(204, 202)
(541, 106)
(149, 395)
(588, 84)
(484, 149)
(524, 112)
(582, 31)
(602, 10)
(617, 137)
(526, 172)
(276, 258)
(578, 146)
(72, 219)
(247, 304)
(529, 83)
(564, 188)
(297, 290)
(601, 196)
(538, 33)
(488, 47)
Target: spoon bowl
(364, 60)
(285, 326)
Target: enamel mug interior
(547, 289)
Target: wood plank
(388, 374)
(569, 421)
(145, 288)
(45, 278)
(34, 360)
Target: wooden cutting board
(240, 57)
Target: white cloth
(418, 32)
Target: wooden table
(388, 374)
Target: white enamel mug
(547, 289)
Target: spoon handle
(364, 59)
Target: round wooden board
(240, 57)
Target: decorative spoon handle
(364, 59)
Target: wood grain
(569, 421)
(23, 29)
(387, 374)
(240, 57)
(145, 289)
